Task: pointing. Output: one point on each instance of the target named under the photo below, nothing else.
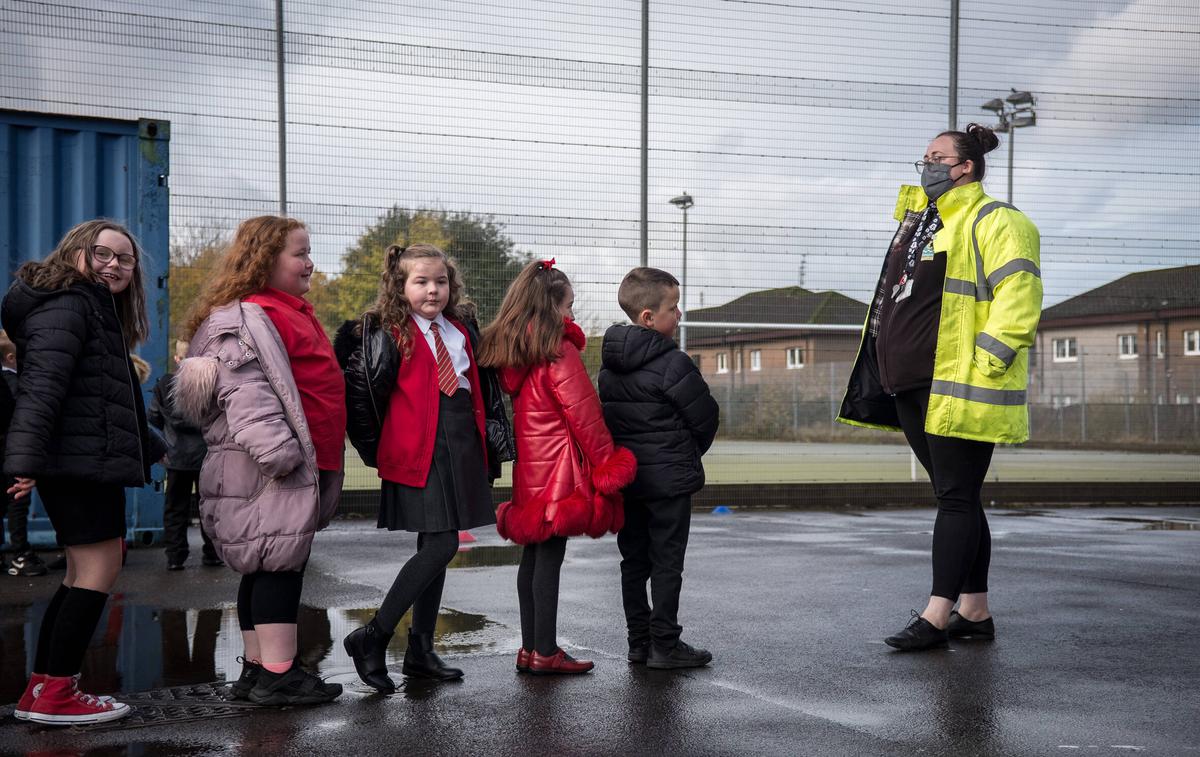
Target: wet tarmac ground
(1097, 649)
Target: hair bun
(986, 138)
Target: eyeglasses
(920, 164)
(105, 255)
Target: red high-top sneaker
(34, 688)
(61, 703)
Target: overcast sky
(791, 123)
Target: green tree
(194, 255)
(486, 258)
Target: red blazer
(568, 475)
(409, 429)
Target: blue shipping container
(57, 171)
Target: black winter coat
(371, 379)
(658, 405)
(79, 410)
(185, 442)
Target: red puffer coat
(568, 476)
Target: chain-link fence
(508, 130)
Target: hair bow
(546, 265)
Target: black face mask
(936, 181)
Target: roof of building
(1141, 292)
(790, 305)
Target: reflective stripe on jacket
(991, 304)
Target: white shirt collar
(424, 323)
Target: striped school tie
(447, 376)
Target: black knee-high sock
(77, 618)
(42, 653)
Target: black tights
(962, 543)
(269, 597)
(419, 584)
(537, 591)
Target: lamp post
(683, 202)
(1014, 111)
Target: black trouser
(537, 594)
(962, 543)
(16, 512)
(652, 544)
(177, 514)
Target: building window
(699, 361)
(1160, 344)
(1066, 350)
(722, 362)
(737, 362)
(1191, 342)
(795, 357)
(1127, 346)
(756, 360)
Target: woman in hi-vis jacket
(945, 358)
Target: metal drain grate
(177, 704)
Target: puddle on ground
(1158, 524)
(1021, 513)
(138, 648)
(487, 556)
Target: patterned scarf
(918, 231)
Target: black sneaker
(682, 655)
(58, 563)
(174, 565)
(240, 689)
(961, 628)
(919, 634)
(211, 561)
(639, 653)
(296, 686)
(27, 565)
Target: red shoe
(31, 693)
(522, 661)
(558, 663)
(61, 703)
(34, 688)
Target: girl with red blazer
(568, 473)
(431, 454)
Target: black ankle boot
(420, 661)
(367, 646)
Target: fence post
(1082, 397)
(1128, 402)
(833, 408)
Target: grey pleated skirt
(456, 496)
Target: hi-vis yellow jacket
(991, 304)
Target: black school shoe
(682, 655)
(296, 686)
(961, 628)
(639, 653)
(367, 646)
(420, 661)
(240, 689)
(918, 635)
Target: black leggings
(537, 592)
(269, 597)
(962, 543)
(419, 584)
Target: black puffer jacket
(79, 411)
(658, 405)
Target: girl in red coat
(431, 454)
(568, 474)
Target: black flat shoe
(639, 653)
(918, 635)
(961, 628)
(367, 646)
(682, 655)
(420, 661)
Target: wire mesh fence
(505, 131)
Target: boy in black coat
(185, 454)
(24, 562)
(657, 405)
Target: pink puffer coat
(259, 493)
